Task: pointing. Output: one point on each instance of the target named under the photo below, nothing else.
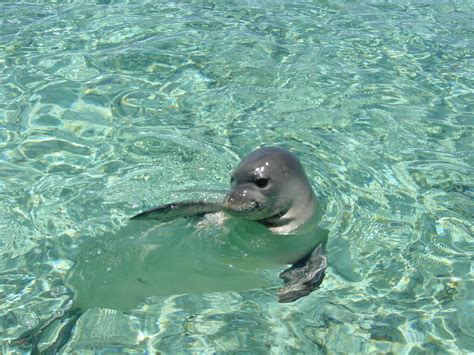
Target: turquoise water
(108, 109)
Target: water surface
(108, 108)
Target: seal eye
(262, 182)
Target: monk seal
(269, 186)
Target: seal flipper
(304, 276)
(65, 332)
(33, 337)
(180, 209)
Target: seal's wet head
(268, 184)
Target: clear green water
(110, 108)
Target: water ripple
(111, 108)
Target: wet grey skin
(269, 186)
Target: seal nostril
(231, 197)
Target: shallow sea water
(108, 108)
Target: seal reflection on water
(270, 186)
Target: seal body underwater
(269, 186)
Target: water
(111, 108)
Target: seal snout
(233, 199)
(238, 201)
(229, 199)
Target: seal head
(270, 186)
